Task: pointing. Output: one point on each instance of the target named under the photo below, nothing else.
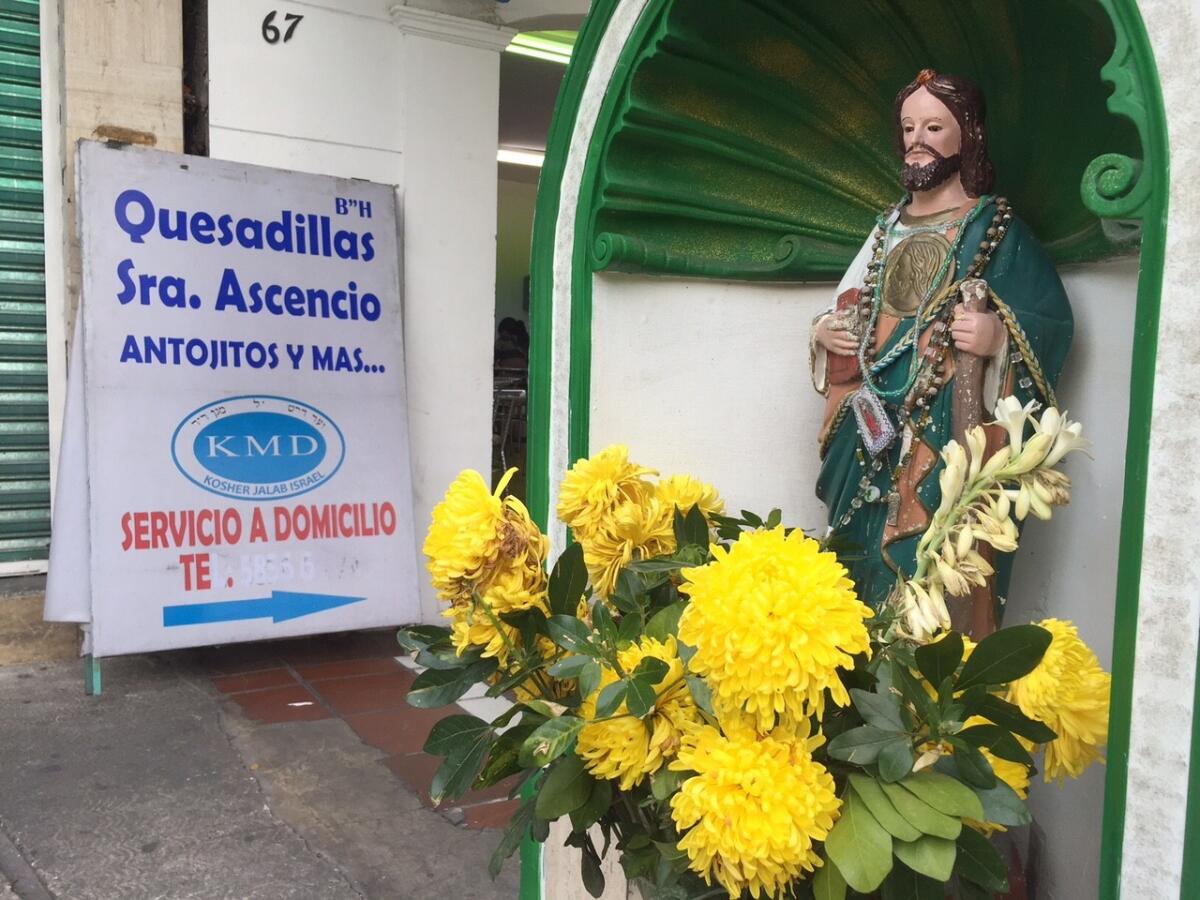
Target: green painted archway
(748, 139)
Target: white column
(449, 92)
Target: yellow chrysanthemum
(595, 487)
(634, 530)
(1069, 692)
(684, 491)
(510, 590)
(754, 807)
(772, 620)
(626, 749)
(474, 531)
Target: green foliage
(980, 863)
(1005, 656)
(568, 581)
(859, 846)
(566, 788)
(438, 687)
(549, 741)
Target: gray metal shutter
(24, 411)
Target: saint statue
(950, 305)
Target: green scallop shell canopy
(751, 139)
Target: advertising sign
(235, 462)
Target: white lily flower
(965, 539)
(977, 444)
(1013, 416)
(1022, 509)
(1031, 455)
(1070, 437)
(1051, 422)
(951, 477)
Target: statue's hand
(980, 333)
(832, 334)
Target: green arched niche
(751, 137)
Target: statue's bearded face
(932, 141)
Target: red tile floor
(356, 678)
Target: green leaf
(629, 630)
(912, 691)
(602, 621)
(859, 846)
(444, 655)
(701, 693)
(999, 741)
(549, 741)
(920, 814)
(418, 637)
(939, 660)
(439, 687)
(568, 581)
(692, 530)
(659, 565)
(751, 519)
(928, 855)
(1003, 806)
(774, 517)
(568, 667)
(665, 622)
(652, 669)
(589, 870)
(629, 588)
(589, 679)
(972, 767)
(905, 884)
(1005, 655)
(514, 834)
(945, 794)
(880, 710)
(966, 890)
(639, 699)
(1006, 715)
(504, 758)
(980, 862)
(862, 745)
(457, 772)
(597, 805)
(571, 634)
(566, 788)
(896, 759)
(666, 782)
(869, 791)
(828, 883)
(453, 734)
(611, 698)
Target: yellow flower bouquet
(709, 693)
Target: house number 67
(270, 31)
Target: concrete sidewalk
(251, 772)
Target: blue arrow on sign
(280, 606)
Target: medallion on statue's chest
(911, 267)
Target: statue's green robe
(1022, 275)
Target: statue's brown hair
(965, 102)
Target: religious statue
(950, 305)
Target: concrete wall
(712, 379)
(410, 101)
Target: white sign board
(235, 461)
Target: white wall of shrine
(712, 378)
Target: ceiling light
(554, 46)
(520, 157)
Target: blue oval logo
(258, 447)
